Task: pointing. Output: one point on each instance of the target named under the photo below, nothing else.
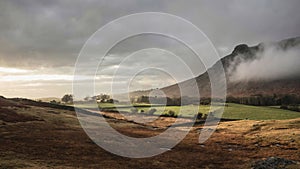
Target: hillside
(247, 84)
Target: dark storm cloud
(228, 23)
(48, 35)
(51, 33)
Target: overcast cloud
(44, 37)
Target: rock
(272, 163)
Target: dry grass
(56, 140)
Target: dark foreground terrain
(45, 136)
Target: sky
(41, 40)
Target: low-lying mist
(272, 63)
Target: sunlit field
(231, 110)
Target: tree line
(287, 101)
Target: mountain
(251, 71)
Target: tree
(103, 98)
(67, 98)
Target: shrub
(134, 110)
(284, 107)
(198, 116)
(151, 111)
(52, 102)
(170, 113)
(293, 108)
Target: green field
(231, 111)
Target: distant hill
(48, 99)
(25, 103)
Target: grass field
(50, 136)
(231, 111)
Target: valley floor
(43, 137)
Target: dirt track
(52, 138)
